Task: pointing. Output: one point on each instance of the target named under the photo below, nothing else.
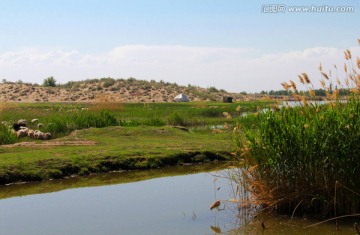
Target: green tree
(50, 81)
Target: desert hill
(108, 89)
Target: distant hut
(181, 98)
(227, 99)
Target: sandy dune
(108, 90)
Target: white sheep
(31, 133)
(22, 121)
(34, 121)
(47, 136)
(40, 125)
(21, 133)
(40, 136)
(37, 134)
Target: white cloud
(232, 69)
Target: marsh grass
(62, 118)
(306, 159)
(6, 135)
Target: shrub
(213, 89)
(107, 82)
(50, 81)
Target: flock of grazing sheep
(22, 130)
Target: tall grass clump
(6, 135)
(59, 125)
(306, 159)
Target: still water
(173, 200)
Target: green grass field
(115, 148)
(117, 137)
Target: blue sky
(224, 43)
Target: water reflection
(146, 205)
(15, 190)
(174, 200)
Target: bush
(107, 82)
(49, 82)
(213, 89)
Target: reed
(296, 159)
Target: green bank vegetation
(306, 159)
(96, 150)
(102, 137)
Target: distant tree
(50, 81)
(213, 89)
(131, 79)
(320, 92)
(4, 80)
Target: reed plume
(325, 75)
(306, 78)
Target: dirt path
(52, 143)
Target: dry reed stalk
(325, 75)
(352, 77)
(293, 85)
(347, 54)
(301, 80)
(286, 86)
(323, 84)
(306, 78)
(338, 81)
(303, 100)
(347, 82)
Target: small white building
(181, 98)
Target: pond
(172, 200)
